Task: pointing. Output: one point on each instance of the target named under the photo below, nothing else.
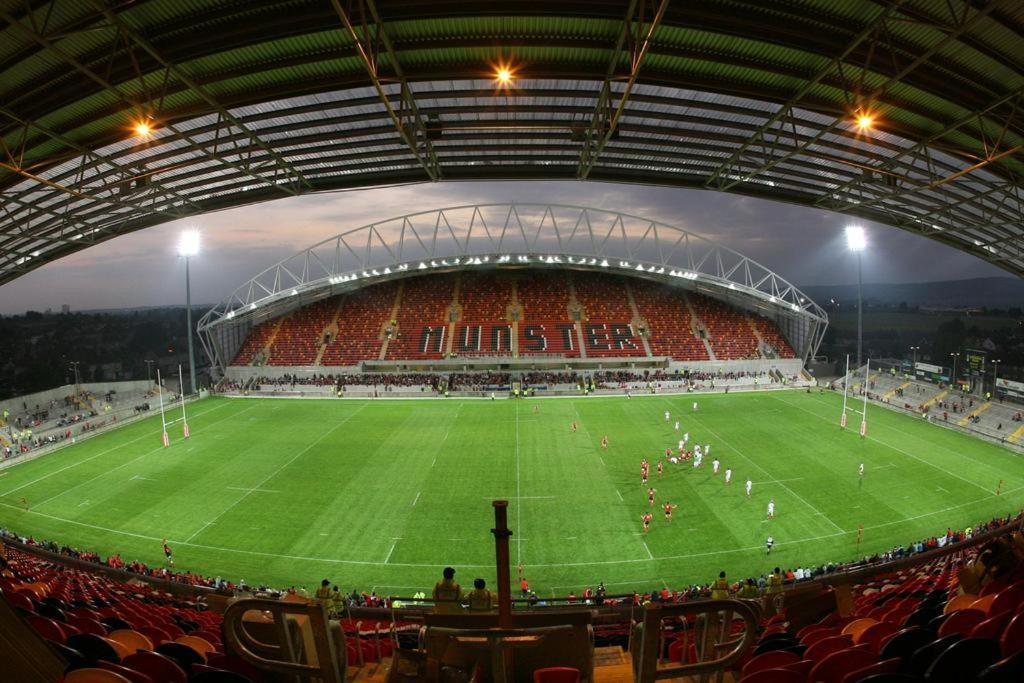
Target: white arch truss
(510, 235)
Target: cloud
(804, 245)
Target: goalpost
(163, 416)
(863, 412)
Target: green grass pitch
(383, 494)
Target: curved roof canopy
(250, 100)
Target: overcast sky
(805, 246)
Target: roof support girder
(634, 40)
(372, 43)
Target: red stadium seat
(156, 666)
(774, 676)
(769, 660)
(834, 667)
(886, 666)
(131, 674)
(556, 674)
(1012, 640)
(823, 648)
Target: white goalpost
(163, 416)
(863, 412)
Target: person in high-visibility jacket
(748, 591)
(447, 594)
(775, 582)
(323, 595)
(720, 588)
(480, 599)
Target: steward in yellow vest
(720, 588)
(447, 594)
(480, 599)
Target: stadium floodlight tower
(856, 240)
(188, 246)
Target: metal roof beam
(769, 140)
(280, 164)
(372, 42)
(604, 121)
(994, 152)
(131, 103)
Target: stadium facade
(516, 238)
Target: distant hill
(992, 292)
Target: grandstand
(518, 314)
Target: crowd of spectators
(476, 381)
(337, 600)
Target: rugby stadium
(513, 440)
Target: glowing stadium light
(230, 315)
(865, 121)
(856, 240)
(604, 263)
(252, 307)
(422, 266)
(295, 292)
(188, 243)
(503, 75)
(143, 128)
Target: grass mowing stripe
(780, 482)
(895, 448)
(92, 457)
(278, 470)
(519, 502)
(132, 461)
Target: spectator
(447, 594)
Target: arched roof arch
(251, 101)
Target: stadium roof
(251, 100)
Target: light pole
(856, 240)
(914, 350)
(149, 371)
(955, 357)
(188, 246)
(995, 377)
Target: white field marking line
(519, 508)
(84, 502)
(252, 490)
(125, 464)
(664, 583)
(755, 464)
(388, 558)
(282, 467)
(620, 496)
(414, 500)
(141, 478)
(899, 450)
(93, 457)
(942, 489)
(649, 555)
(196, 533)
(327, 560)
(434, 462)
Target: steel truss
(510, 236)
(400, 92)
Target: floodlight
(143, 128)
(503, 75)
(188, 243)
(856, 240)
(865, 121)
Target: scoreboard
(975, 361)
